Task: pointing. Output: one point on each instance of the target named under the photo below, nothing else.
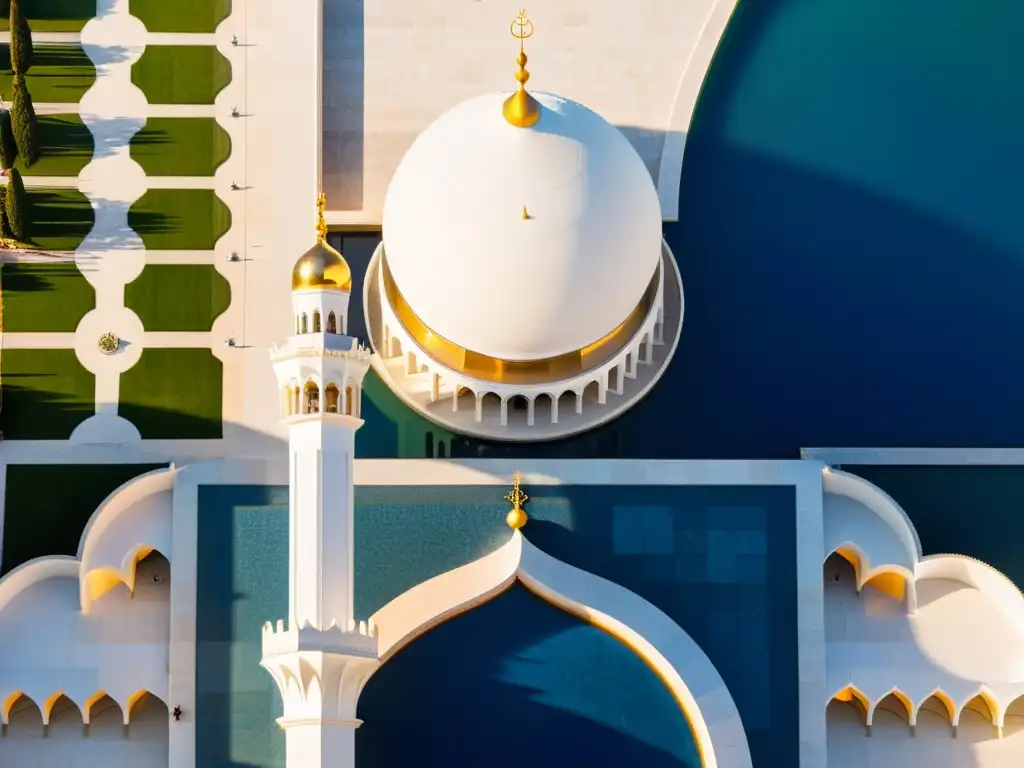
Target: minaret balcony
(320, 672)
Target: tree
(5, 231)
(8, 147)
(21, 40)
(24, 124)
(17, 207)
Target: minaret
(320, 658)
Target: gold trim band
(499, 371)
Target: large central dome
(521, 243)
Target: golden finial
(321, 222)
(526, 213)
(521, 109)
(517, 517)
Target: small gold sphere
(516, 518)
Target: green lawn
(66, 145)
(174, 394)
(178, 297)
(45, 297)
(60, 73)
(180, 15)
(46, 506)
(181, 74)
(180, 219)
(181, 146)
(61, 218)
(51, 15)
(46, 394)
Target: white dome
(478, 274)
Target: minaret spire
(321, 220)
(321, 656)
(521, 109)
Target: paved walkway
(151, 38)
(113, 255)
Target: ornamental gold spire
(521, 109)
(321, 222)
(516, 517)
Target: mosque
(528, 593)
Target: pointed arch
(332, 323)
(8, 705)
(305, 323)
(851, 695)
(684, 668)
(1013, 716)
(90, 703)
(316, 321)
(896, 702)
(893, 580)
(22, 710)
(102, 710)
(983, 703)
(938, 702)
(60, 706)
(139, 700)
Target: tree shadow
(59, 72)
(61, 137)
(58, 10)
(180, 219)
(114, 133)
(61, 218)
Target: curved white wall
(935, 676)
(84, 641)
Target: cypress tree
(24, 124)
(16, 205)
(21, 40)
(5, 231)
(8, 147)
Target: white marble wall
(392, 66)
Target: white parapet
(320, 674)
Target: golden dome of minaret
(322, 268)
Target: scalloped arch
(705, 701)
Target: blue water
(849, 234)
(514, 683)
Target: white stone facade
(390, 68)
(862, 641)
